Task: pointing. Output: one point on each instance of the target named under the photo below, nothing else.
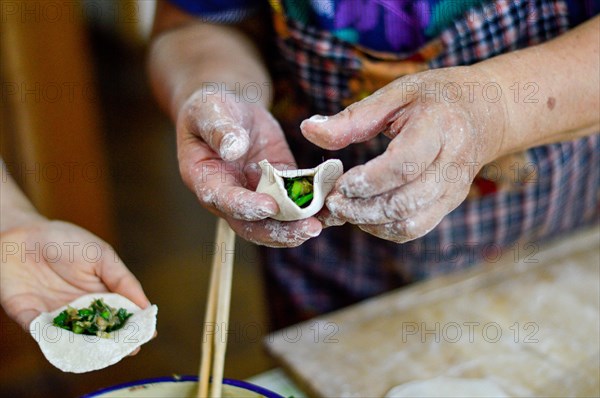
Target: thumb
(118, 279)
(25, 318)
(218, 123)
(359, 122)
(23, 311)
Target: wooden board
(529, 325)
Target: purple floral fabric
(400, 22)
(399, 26)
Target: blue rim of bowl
(184, 378)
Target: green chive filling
(98, 319)
(300, 190)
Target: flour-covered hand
(441, 137)
(220, 142)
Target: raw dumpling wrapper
(324, 177)
(443, 386)
(80, 353)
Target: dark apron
(556, 189)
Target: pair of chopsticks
(217, 313)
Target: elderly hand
(220, 142)
(444, 127)
(47, 264)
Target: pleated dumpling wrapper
(323, 176)
(79, 353)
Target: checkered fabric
(321, 63)
(345, 265)
(501, 26)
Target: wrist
(15, 209)
(18, 218)
(490, 110)
(475, 93)
(241, 91)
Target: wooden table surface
(528, 325)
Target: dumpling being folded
(322, 178)
(79, 353)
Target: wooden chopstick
(217, 313)
(223, 304)
(209, 324)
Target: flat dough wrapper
(447, 387)
(79, 353)
(324, 177)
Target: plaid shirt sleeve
(582, 10)
(220, 11)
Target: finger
(268, 139)
(118, 279)
(408, 229)
(398, 204)
(408, 155)
(327, 219)
(357, 123)
(273, 233)
(24, 311)
(137, 350)
(25, 318)
(219, 188)
(217, 124)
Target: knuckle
(404, 231)
(380, 231)
(206, 195)
(399, 206)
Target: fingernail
(318, 119)
(314, 231)
(313, 119)
(314, 234)
(232, 147)
(266, 212)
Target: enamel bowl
(179, 387)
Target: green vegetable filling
(300, 190)
(98, 319)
